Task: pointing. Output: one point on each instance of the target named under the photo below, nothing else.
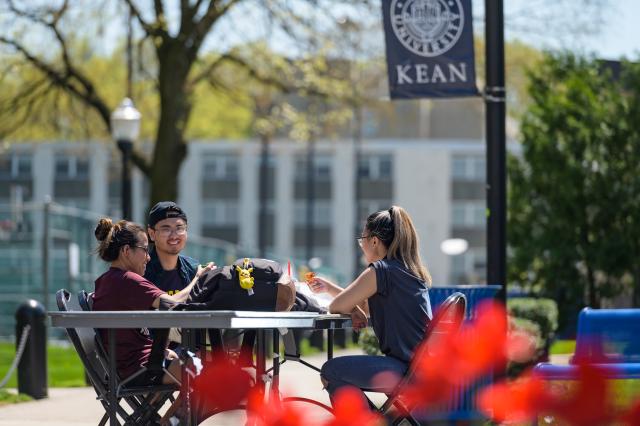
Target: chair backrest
(84, 342)
(446, 321)
(608, 336)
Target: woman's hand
(358, 319)
(204, 269)
(319, 285)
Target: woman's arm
(323, 285)
(183, 294)
(356, 294)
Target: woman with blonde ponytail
(392, 291)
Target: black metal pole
(357, 142)
(264, 187)
(126, 146)
(496, 146)
(46, 252)
(310, 198)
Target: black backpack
(247, 284)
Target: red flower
(350, 408)
(590, 403)
(527, 397)
(514, 402)
(272, 413)
(222, 385)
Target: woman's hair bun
(102, 230)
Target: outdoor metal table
(259, 321)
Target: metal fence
(45, 247)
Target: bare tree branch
(151, 30)
(201, 28)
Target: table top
(198, 319)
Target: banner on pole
(429, 48)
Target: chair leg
(104, 420)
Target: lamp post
(125, 127)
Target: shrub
(520, 324)
(543, 312)
(369, 342)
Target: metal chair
(143, 401)
(446, 321)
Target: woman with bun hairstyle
(122, 288)
(393, 291)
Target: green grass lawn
(562, 347)
(64, 366)
(7, 397)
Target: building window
(16, 166)
(366, 207)
(375, 167)
(468, 168)
(220, 167)
(321, 168)
(470, 267)
(468, 214)
(321, 213)
(71, 167)
(220, 213)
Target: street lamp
(125, 127)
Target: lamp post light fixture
(125, 127)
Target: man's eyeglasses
(145, 248)
(166, 231)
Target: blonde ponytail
(405, 244)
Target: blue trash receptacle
(461, 405)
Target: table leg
(261, 361)
(275, 381)
(112, 396)
(329, 343)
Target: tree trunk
(175, 107)
(594, 299)
(636, 286)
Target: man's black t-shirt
(170, 282)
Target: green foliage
(542, 312)
(369, 342)
(563, 347)
(574, 194)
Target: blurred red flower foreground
(448, 361)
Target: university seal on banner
(427, 27)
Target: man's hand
(170, 354)
(358, 319)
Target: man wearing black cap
(167, 228)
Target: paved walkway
(78, 406)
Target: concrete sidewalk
(78, 406)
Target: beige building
(425, 156)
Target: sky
(618, 34)
(622, 35)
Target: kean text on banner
(429, 48)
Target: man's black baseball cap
(165, 210)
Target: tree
(177, 67)
(575, 192)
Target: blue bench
(606, 337)
(461, 405)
